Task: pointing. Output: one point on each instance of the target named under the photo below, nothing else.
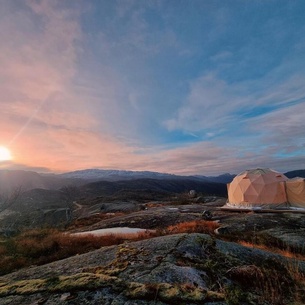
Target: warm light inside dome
(5, 154)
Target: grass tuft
(195, 226)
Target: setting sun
(5, 154)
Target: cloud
(210, 105)
(283, 127)
(213, 105)
(221, 56)
(43, 62)
(41, 66)
(17, 166)
(184, 88)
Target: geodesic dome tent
(295, 190)
(257, 188)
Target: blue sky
(184, 86)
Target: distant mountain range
(119, 175)
(27, 180)
(224, 178)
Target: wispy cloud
(39, 68)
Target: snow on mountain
(96, 174)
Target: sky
(179, 86)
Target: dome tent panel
(251, 193)
(234, 192)
(295, 189)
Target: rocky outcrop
(284, 231)
(181, 269)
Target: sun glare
(5, 154)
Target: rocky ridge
(179, 268)
(183, 268)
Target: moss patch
(171, 292)
(23, 287)
(77, 281)
(124, 256)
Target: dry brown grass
(153, 205)
(286, 253)
(195, 226)
(272, 285)
(44, 246)
(41, 246)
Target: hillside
(106, 188)
(141, 189)
(38, 207)
(28, 180)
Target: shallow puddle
(114, 231)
